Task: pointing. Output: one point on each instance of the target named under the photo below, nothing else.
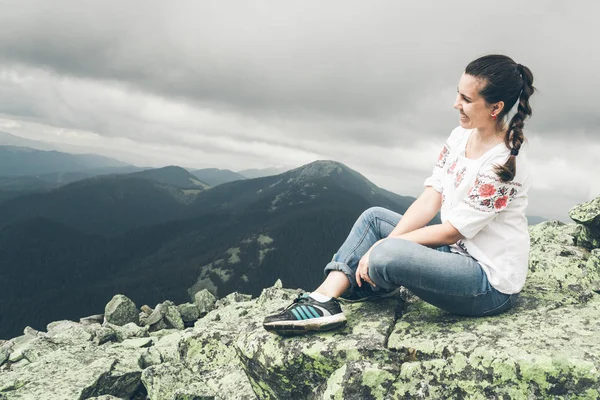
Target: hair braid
(514, 135)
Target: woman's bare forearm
(420, 212)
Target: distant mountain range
(16, 160)
(67, 251)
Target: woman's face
(474, 112)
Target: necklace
(493, 142)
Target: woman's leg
(450, 281)
(320, 310)
(373, 224)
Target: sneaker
(365, 293)
(306, 314)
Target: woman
(475, 262)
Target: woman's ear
(498, 107)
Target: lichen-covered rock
(585, 238)
(173, 318)
(557, 268)
(271, 362)
(92, 319)
(546, 347)
(205, 301)
(68, 332)
(127, 331)
(189, 312)
(120, 310)
(360, 380)
(69, 371)
(165, 380)
(588, 214)
(234, 297)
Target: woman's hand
(362, 272)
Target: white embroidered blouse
(489, 213)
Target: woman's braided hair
(506, 81)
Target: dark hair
(506, 81)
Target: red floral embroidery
(460, 175)
(487, 190)
(451, 168)
(442, 157)
(489, 193)
(500, 202)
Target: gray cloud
(368, 83)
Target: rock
(127, 331)
(271, 361)
(205, 301)
(588, 214)
(120, 310)
(189, 312)
(146, 309)
(173, 318)
(586, 239)
(151, 356)
(164, 380)
(231, 298)
(74, 372)
(30, 331)
(92, 319)
(68, 332)
(103, 335)
(159, 326)
(157, 315)
(137, 342)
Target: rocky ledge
(546, 347)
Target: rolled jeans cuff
(339, 266)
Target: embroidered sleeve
(435, 180)
(487, 197)
(490, 194)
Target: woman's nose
(457, 102)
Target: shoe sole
(321, 324)
(386, 295)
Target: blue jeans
(450, 281)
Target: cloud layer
(236, 84)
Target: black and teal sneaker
(306, 314)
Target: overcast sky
(254, 84)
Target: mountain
(259, 173)
(15, 160)
(172, 175)
(104, 205)
(214, 176)
(8, 139)
(154, 245)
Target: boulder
(189, 312)
(588, 214)
(205, 301)
(120, 310)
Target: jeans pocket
(505, 306)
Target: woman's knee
(386, 262)
(372, 213)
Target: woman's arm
(434, 235)
(412, 225)
(420, 212)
